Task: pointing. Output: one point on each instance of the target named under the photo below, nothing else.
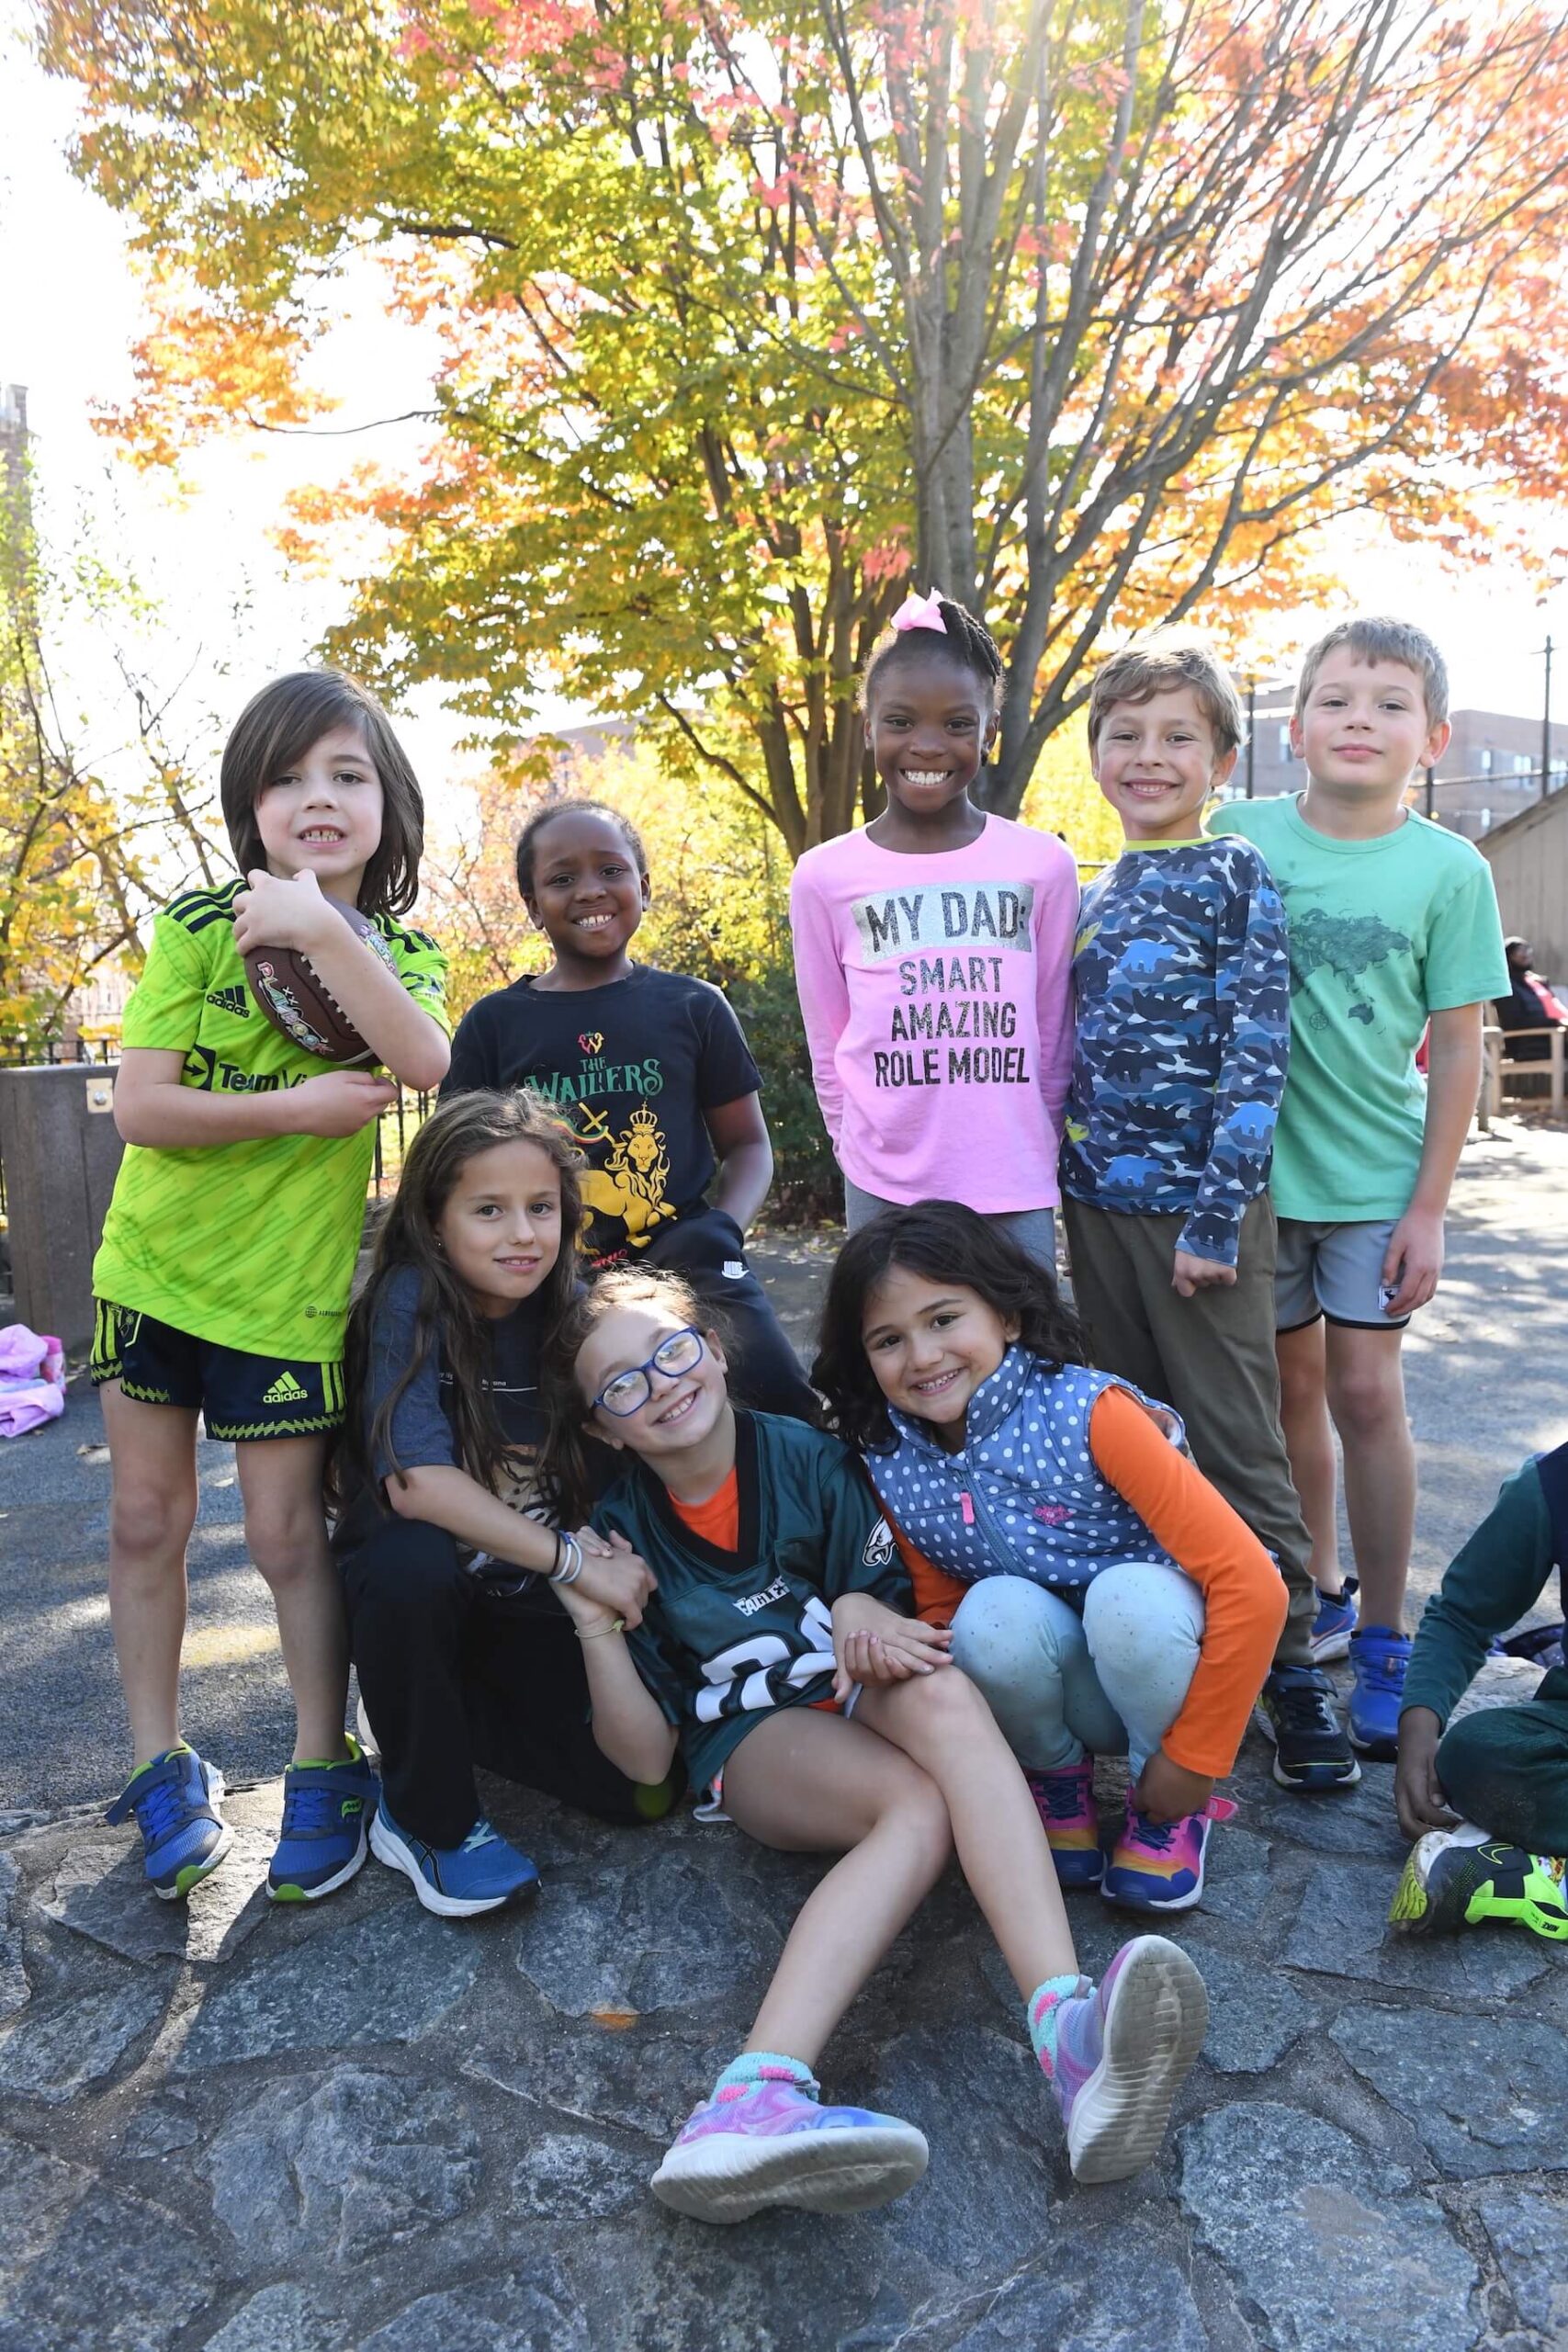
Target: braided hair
(573, 805)
(968, 643)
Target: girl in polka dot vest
(1101, 1593)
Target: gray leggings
(1034, 1230)
(1111, 1681)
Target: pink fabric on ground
(32, 1380)
(936, 993)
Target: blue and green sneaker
(183, 1836)
(327, 1810)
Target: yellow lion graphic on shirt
(630, 1185)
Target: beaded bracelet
(615, 1626)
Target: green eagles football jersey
(250, 1245)
(729, 1635)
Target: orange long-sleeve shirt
(1244, 1595)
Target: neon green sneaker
(1448, 1884)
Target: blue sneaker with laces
(1334, 1625)
(183, 1836)
(1378, 1659)
(455, 1881)
(327, 1811)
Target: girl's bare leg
(286, 1528)
(943, 1725)
(806, 1782)
(151, 1513)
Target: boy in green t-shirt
(1393, 929)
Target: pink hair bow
(922, 611)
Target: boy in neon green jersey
(223, 1274)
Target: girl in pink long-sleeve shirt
(933, 953)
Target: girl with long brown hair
(444, 1536)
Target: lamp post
(1546, 728)
(1251, 729)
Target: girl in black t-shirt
(653, 1074)
(446, 1547)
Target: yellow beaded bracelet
(616, 1626)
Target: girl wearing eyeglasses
(450, 1558)
(775, 1649)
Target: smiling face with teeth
(930, 1344)
(1156, 762)
(588, 896)
(322, 813)
(686, 1426)
(929, 724)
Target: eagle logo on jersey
(878, 1552)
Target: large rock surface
(226, 2127)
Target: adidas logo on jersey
(230, 1000)
(285, 1390)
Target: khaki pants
(1211, 1356)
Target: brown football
(294, 999)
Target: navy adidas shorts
(241, 1395)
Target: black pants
(1506, 1769)
(765, 1372)
(454, 1676)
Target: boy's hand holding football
(273, 912)
(339, 1102)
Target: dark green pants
(1213, 1358)
(1506, 1769)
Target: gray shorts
(1335, 1270)
(1034, 1230)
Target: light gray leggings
(1112, 1680)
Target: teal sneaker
(327, 1811)
(184, 1836)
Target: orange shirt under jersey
(717, 1521)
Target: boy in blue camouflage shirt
(1182, 982)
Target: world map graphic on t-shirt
(1347, 947)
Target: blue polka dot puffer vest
(1024, 1497)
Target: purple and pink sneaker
(768, 2142)
(1120, 2052)
(1157, 1865)
(1065, 1801)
